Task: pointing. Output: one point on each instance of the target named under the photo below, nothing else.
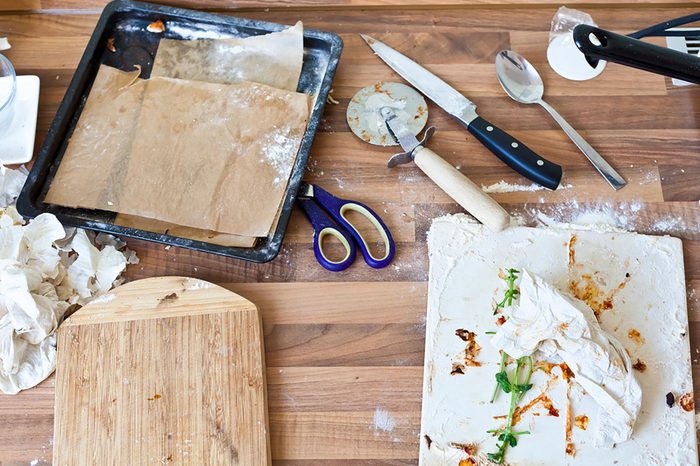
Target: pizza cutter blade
(366, 120)
(389, 114)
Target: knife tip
(369, 40)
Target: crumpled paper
(563, 328)
(45, 270)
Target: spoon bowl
(518, 77)
(523, 83)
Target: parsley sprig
(517, 388)
(511, 293)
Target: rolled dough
(634, 282)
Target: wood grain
(163, 369)
(344, 347)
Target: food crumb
(457, 368)
(639, 365)
(156, 26)
(670, 399)
(467, 462)
(428, 440)
(110, 45)
(154, 397)
(472, 349)
(634, 335)
(687, 402)
(581, 422)
(330, 98)
(468, 448)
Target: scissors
(327, 216)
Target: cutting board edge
(140, 297)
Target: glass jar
(8, 89)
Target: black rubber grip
(635, 53)
(516, 155)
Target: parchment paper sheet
(217, 157)
(208, 236)
(274, 59)
(92, 167)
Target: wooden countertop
(345, 351)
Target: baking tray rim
(28, 204)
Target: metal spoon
(523, 84)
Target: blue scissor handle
(323, 226)
(337, 208)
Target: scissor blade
(435, 88)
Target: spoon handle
(604, 168)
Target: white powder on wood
(504, 187)
(383, 421)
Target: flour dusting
(201, 31)
(383, 421)
(648, 218)
(278, 151)
(505, 187)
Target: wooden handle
(462, 190)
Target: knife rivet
(540, 163)
(489, 128)
(514, 145)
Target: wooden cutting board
(165, 370)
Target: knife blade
(514, 153)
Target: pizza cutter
(389, 114)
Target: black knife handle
(515, 154)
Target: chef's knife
(511, 151)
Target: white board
(636, 282)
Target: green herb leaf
(495, 457)
(522, 387)
(503, 382)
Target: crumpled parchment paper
(566, 329)
(45, 270)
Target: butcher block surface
(344, 351)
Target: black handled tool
(599, 44)
(511, 151)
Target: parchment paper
(208, 236)
(217, 157)
(92, 167)
(274, 59)
(99, 172)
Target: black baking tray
(125, 22)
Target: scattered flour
(614, 216)
(206, 32)
(105, 298)
(383, 421)
(279, 152)
(504, 187)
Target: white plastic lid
(569, 62)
